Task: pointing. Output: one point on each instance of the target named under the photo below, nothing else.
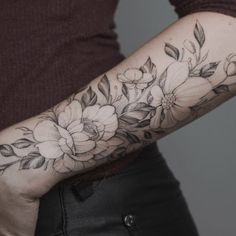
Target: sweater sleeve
(185, 7)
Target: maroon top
(49, 49)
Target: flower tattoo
(111, 118)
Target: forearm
(175, 78)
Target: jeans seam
(64, 214)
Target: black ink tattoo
(107, 120)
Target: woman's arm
(181, 74)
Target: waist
(148, 152)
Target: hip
(142, 198)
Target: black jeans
(143, 199)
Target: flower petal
(50, 149)
(109, 151)
(155, 120)
(90, 112)
(110, 120)
(111, 127)
(114, 141)
(100, 126)
(141, 86)
(107, 135)
(82, 147)
(75, 126)
(79, 137)
(84, 156)
(157, 95)
(46, 131)
(61, 107)
(180, 113)
(67, 164)
(130, 85)
(104, 113)
(122, 78)
(72, 112)
(189, 93)
(177, 73)
(133, 74)
(147, 77)
(59, 167)
(169, 121)
(100, 147)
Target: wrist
(18, 153)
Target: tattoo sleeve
(138, 102)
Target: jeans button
(129, 221)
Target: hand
(18, 214)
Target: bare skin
(178, 76)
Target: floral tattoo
(107, 120)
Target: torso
(49, 49)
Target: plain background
(202, 154)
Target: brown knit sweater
(51, 48)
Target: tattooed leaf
(119, 152)
(160, 132)
(6, 150)
(221, 89)
(147, 135)
(149, 67)
(129, 107)
(25, 129)
(33, 160)
(136, 112)
(38, 163)
(34, 155)
(143, 123)
(129, 120)
(162, 78)
(4, 167)
(89, 98)
(104, 87)
(196, 108)
(139, 115)
(172, 51)
(208, 69)
(25, 164)
(125, 91)
(141, 106)
(132, 138)
(199, 34)
(22, 143)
